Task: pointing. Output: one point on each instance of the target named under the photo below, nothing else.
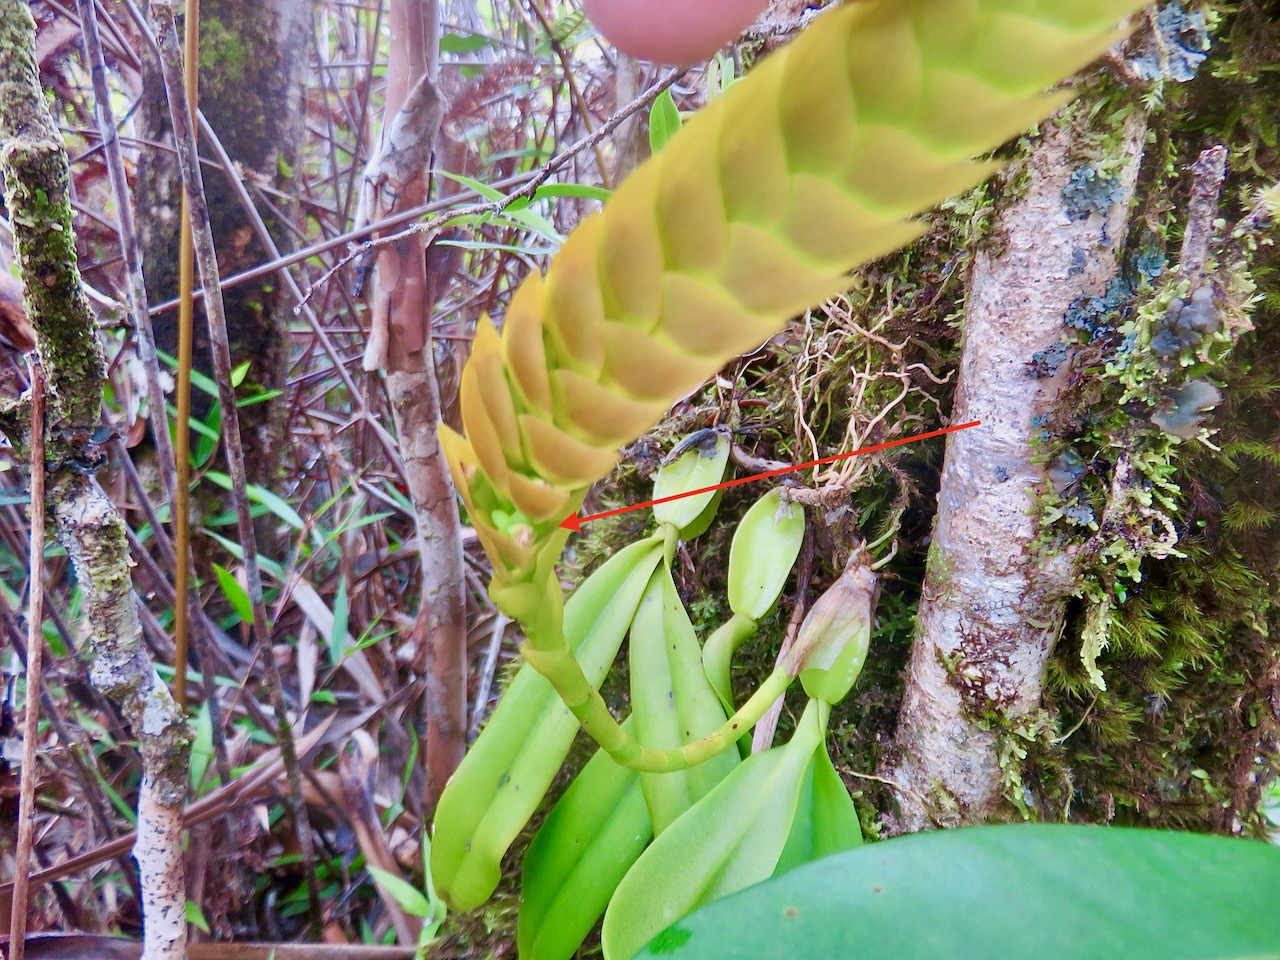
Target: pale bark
(93, 534)
(400, 342)
(88, 526)
(993, 602)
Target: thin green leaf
(582, 191)
(195, 916)
(463, 43)
(266, 564)
(410, 898)
(664, 121)
(201, 749)
(483, 189)
(236, 595)
(338, 635)
(258, 494)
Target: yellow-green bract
(754, 211)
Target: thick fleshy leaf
(701, 465)
(826, 820)
(1025, 891)
(579, 855)
(672, 704)
(507, 771)
(764, 549)
(729, 840)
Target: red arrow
(575, 522)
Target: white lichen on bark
(36, 180)
(993, 602)
(93, 534)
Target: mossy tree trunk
(994, 601)
(253, 63)
(36, 195)
(1095, 635)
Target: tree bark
(993, 602)
(36, 181)
(253, 63)
(400, 342)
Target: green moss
(1185, 733)
(223, 56)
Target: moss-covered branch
(36, 178)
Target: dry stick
(136, 299)
(269, 244)
(487, 671)
(575, 94)
(343, 239)
(207, 263)
(75, 749)
(529, 186)
(181, 517)
(414, 111)
(135, 287)
(762, 738)
(277, 263)
(255, 782)
(35, 660)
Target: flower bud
(833, 640)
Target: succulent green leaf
(671, 701)
(579, 855)
(718, 651)
(729, 840)
(507, 771)
(765, 547)
(826, 820)
(1028, 890)
(702, 465)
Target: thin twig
(215, 313)
(35, 659)
(528, 189)
(487, 670)
(134, 287)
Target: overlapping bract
(752, 213)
